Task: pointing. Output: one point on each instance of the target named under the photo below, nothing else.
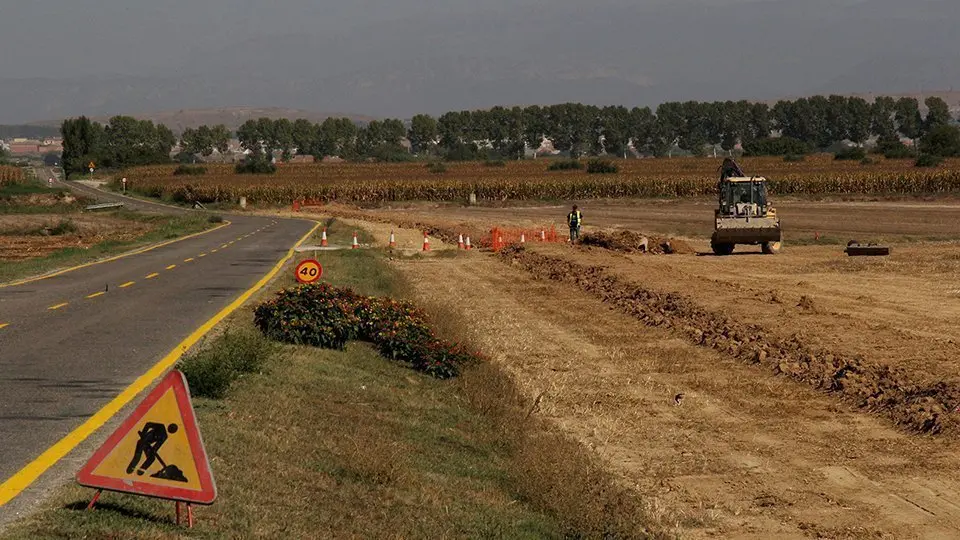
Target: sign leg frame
(96, 498)
(189, 514)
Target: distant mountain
(603, 52)
(232, 117)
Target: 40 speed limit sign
(309, 271)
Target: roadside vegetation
(308, 442)
(43, 229)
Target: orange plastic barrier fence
(501, 237)
(303, 203)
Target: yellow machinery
(744, 215)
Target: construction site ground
(719, 446)
(835, 220)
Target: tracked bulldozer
(744, 215)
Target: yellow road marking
(151, 276)
(223, 246)
(202, 255)
(121, 256)
(188, 260)
(12, 487)
(4, 325)
(58, 306)
(127, 284)
(96, 294)
(171, 267)
(214, 250)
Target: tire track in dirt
(919, 406)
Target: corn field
(10, 174)
(529, 180)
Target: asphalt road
(71, 343)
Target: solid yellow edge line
(27, 475)
(122, 255)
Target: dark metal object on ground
(856, 249)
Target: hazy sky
(399, 57)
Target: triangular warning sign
(157, 451)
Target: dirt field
(749, 451)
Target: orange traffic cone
(468, 246)
(355, 244)
(460, 242)
(323, 238)
(393, 241)
(523, 238)
(426, 242)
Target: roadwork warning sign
(157, 451)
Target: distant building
(22, 147)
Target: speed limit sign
(309, 271)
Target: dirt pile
(922, 406)
(631, 242)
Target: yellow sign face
(157, 451)
(170, 461)
(91, 165)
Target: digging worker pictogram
(575, 220)
(152, 437)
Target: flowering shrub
(326, 316)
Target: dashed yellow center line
(96, 294)
(151, 276)
(188, 260)
(127, 284)
(202, 255)
(214, 250)
(223, 246)
(58, 306)
(171, 267)
(4, 325)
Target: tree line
(787, 127)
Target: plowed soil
(801, 395)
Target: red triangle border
(208, 488)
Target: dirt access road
(746, 453)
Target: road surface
(69, 344)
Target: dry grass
(548, 468)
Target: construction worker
(575, 220)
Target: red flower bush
(326, 316)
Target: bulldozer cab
(743, 197)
